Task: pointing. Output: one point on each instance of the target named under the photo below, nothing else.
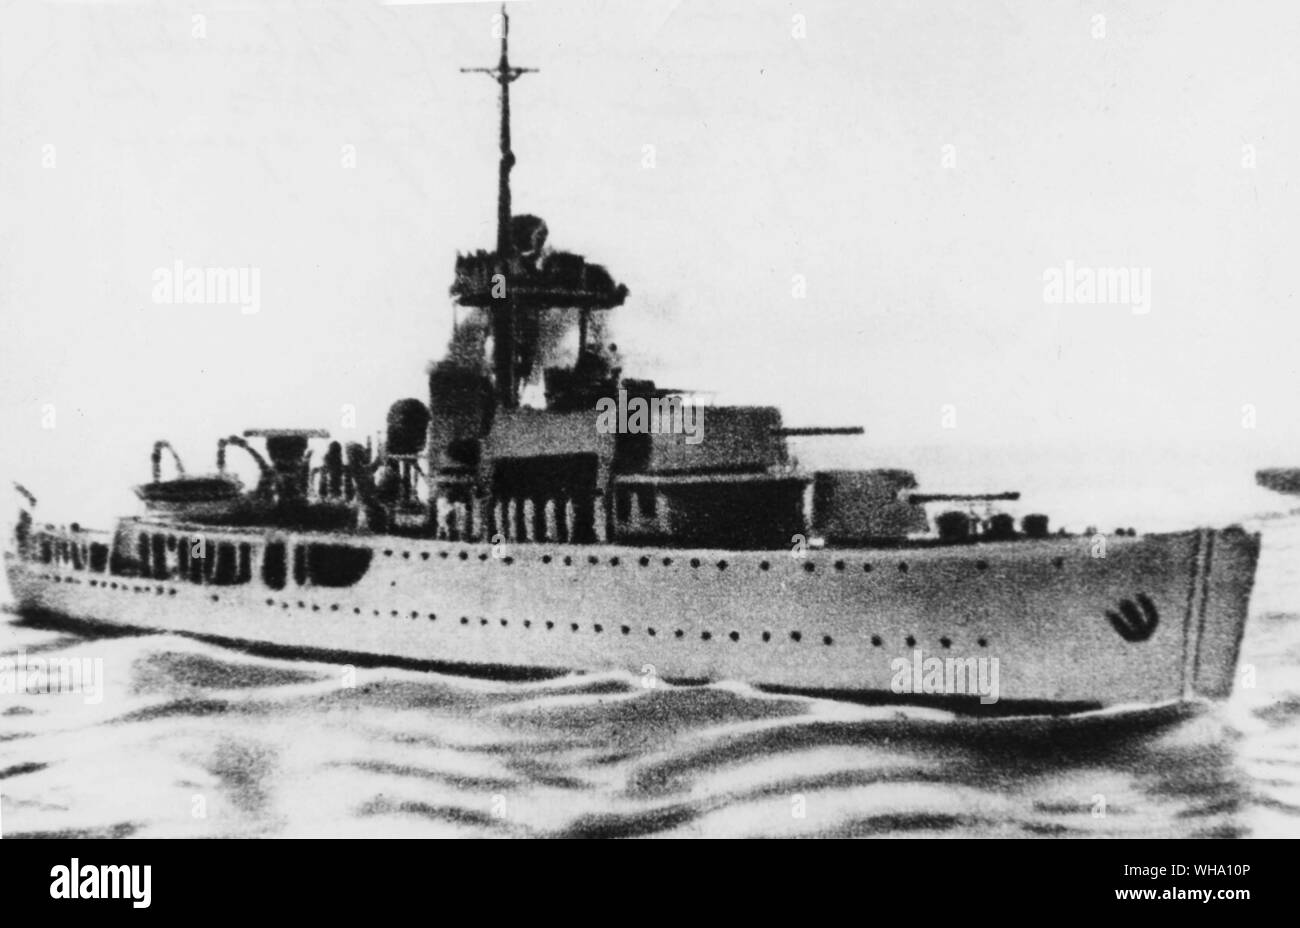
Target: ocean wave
(195, 739)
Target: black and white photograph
(595, 419)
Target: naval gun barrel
(813, 430)
(962, 497)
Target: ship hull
(1055, 625)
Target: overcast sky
(707, 153)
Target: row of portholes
(616, 561)
(645, 561)
(734, 636)
(124, 587)
(598, 628)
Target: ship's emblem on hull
(1134, 623)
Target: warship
(619, 525)
(1280, 479)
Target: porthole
(796, 636)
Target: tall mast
(503, 315)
